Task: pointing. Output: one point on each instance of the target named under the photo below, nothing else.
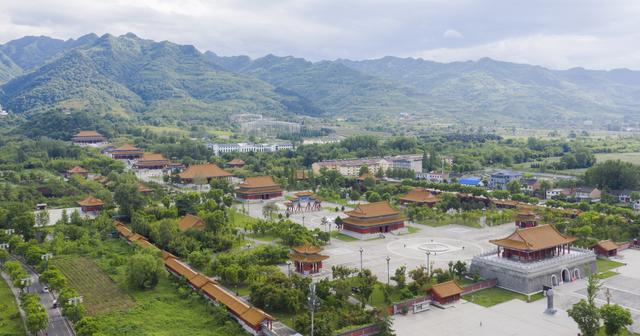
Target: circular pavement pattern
(440, 249)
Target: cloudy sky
(556, 33)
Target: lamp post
(303, 220)
(428, 264)
(289, 267)
(388, 270)
(361, 250)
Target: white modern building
(351, 167)
(243, 147)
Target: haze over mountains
(128, 76)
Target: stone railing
(575, 255)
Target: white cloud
(553, 33)
(452, 34)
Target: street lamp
(361, 250)
(388, 270)
(428, 264)
(303, 220)
(289, 267)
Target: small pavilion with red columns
(534, 244)
(307, 258)
(526, 219)
(91, 204)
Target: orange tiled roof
(77, 170)
(204, 171)
(251, 315)
(446, 289)
(90, 201)
(200, 280)
(258, 182)
(607, 245)
(418, 195)
(376, 209)
(152, 157)
(88, 134)
(190, 221)
(143, 189)
(236, 162)
(123, 230)
(307, 257)
(534, 238)
(178, 267)
(307, 249)
(303, 193)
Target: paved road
(58, 324)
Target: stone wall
(528, 278)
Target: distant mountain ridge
(126, 75)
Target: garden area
(495, 295)
(10, 321)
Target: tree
(373, 197)
(615, 318)
(128, 198)
(366, 282)
(369, 182)
(187, 203)
(460, 269)
(613, 175)
(363, 170)
(586, 316)
(385, 325)
(514, 187)
(268, 209)
(144, 271)
(87, 326)
(37, 317)
(400, 277)
(354, 195)
(593, 286)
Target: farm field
(10, 321)
(626, 157)
(101, 295)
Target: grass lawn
(493, 296)
(606, 274)
(412, 229)
(238, 219)
(606, 265)
(10, 321)
(601, 332)
(101, 295)
(377, 297)
(343, 237)
(162, 312)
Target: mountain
(130, 77)
(127, 75)
(336, 88)
(502, 90)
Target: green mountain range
(128, 76)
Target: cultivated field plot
(101, 295)
(633, 157)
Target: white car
(45, 289)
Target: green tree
(514, 187)
(144, 271)
(400, 277)
(128, 198)
(385, 325)
(87, 326)
(365, 283)
(363, 170)
(586, 316)
(615, 319)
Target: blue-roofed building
(471, 181)
(500, 179)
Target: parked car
(45, 289)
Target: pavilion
(91, 204)
(606, 248)
(144, 189)
(446, 292)
(526, 219)
(205, 172)
(533, 257)
(152, 161)
(236, 163)
(303, 201)
(190, 221)
(126, 152)
(84, 138)
(372, 219)
(418, 197)
(307, 258)
(77, 170)
(258, 188)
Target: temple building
(144, 189)
(605, 248)
(190, 221)
(91, 204)
(370, 220)
(446, 292)
(89, 138)
(152, 161)
(258, 188)
(526, 219)
(126, 152)
(236, 163)
(418, 197)
(203, 172)
(77, 170)
(307, 259)
(533, 257)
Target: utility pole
(312, 302)
(388, 270)
(428, 265)
(361, 250)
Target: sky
(557, 34)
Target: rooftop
(373, 210)
(419, 195)
(88, 134)
(446, 289)
(607, 245)
(534, 238)
(258, 181)
(207, 171)
(90, 201)
(190, 221)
